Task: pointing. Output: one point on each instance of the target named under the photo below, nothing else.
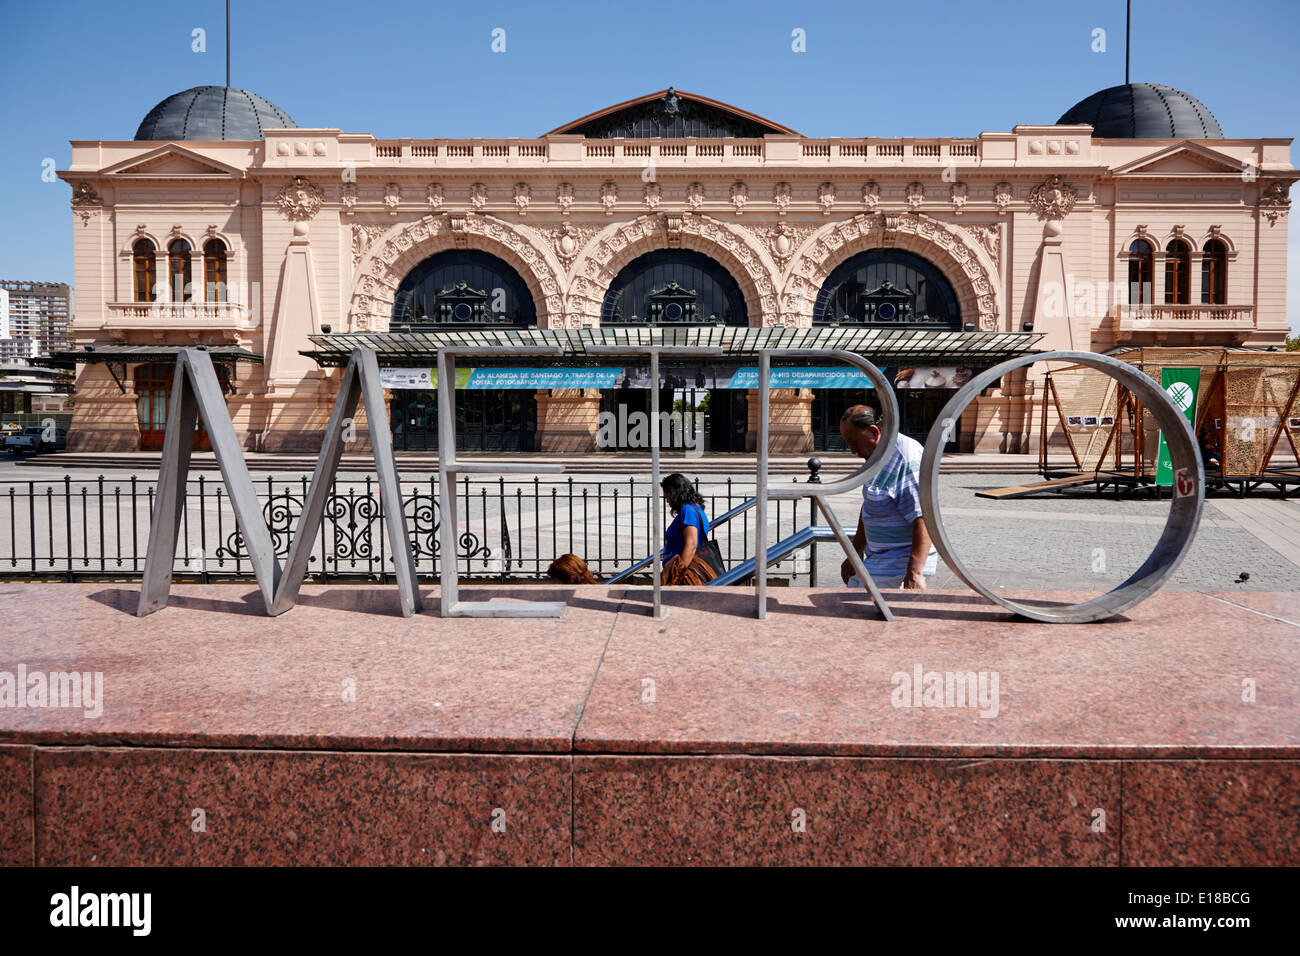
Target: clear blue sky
(76, 69)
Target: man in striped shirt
(891, 536)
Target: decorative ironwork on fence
(511, 529)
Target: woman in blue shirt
(687, 536)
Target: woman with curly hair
(570, 569)
(687, 538)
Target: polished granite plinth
(343, 733)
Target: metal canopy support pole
(195, 390)
(449, 467)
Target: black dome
(1144, 111)
(213, 112)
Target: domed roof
(1144, 111)
(213, 112)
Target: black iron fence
(510, 529)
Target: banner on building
(709, 377)
(1181, 385)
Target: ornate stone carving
(363, 234)
(651, 196)
(781, 198)
(1052, 198)
(988, 236)
(86, 202)
(915, 195)
(826, 197)
(299, 200)
(1275, 201)
(694, 196)
(871, 195)
(564, 197)
(673, 227)
(389, 257)
(434, 196)
(392, 197)
(568, 240)
(948, 246)
(609, 196)
(523, 196)
(348, 198)
(957, 195)
(1002, 196)
(478, 196)
(739, 196)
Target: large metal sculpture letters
(196, 391)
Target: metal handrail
(739, 509)
(803, 538)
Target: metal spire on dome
(227, 44)
(1128, 30)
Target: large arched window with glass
(179, 275)
(887, 287)
(1141, 269)
(463, 287)
(214, 271)
(1214, 272)
(1178, 273)
(144, 271)
(674, 287)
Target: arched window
(463, 287)
(1178, 273)
(887, 287)
(1214, 273)
(674, 287)
(214, 271)
(178, 271)
(144, 271)
(1141, 260)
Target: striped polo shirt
(891, 501)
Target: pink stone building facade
(259, 242)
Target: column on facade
(106, 418)
(567, 419)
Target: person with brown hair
(570, 569)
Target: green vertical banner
(1180, 384)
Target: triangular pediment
(172, 160)
(1182, 159)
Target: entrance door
(486, 420)
(153, 389)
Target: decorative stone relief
(915, 195)
(478, 196)
(988, 236)
(826, 197)
(695, 196)
(363, 234)
(434, 196)
(523, 196)
(1275, 202)
(781, 198)
(392, 197)
(949, 246)
(871, 195)
(739, 196)
(1052, 198)
(651, 196)
(609, 196)
(299, 200)
(348, 198)
(388, 257)
(957, 195)
(568, 240)
(564, 197)
(1002, 196)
